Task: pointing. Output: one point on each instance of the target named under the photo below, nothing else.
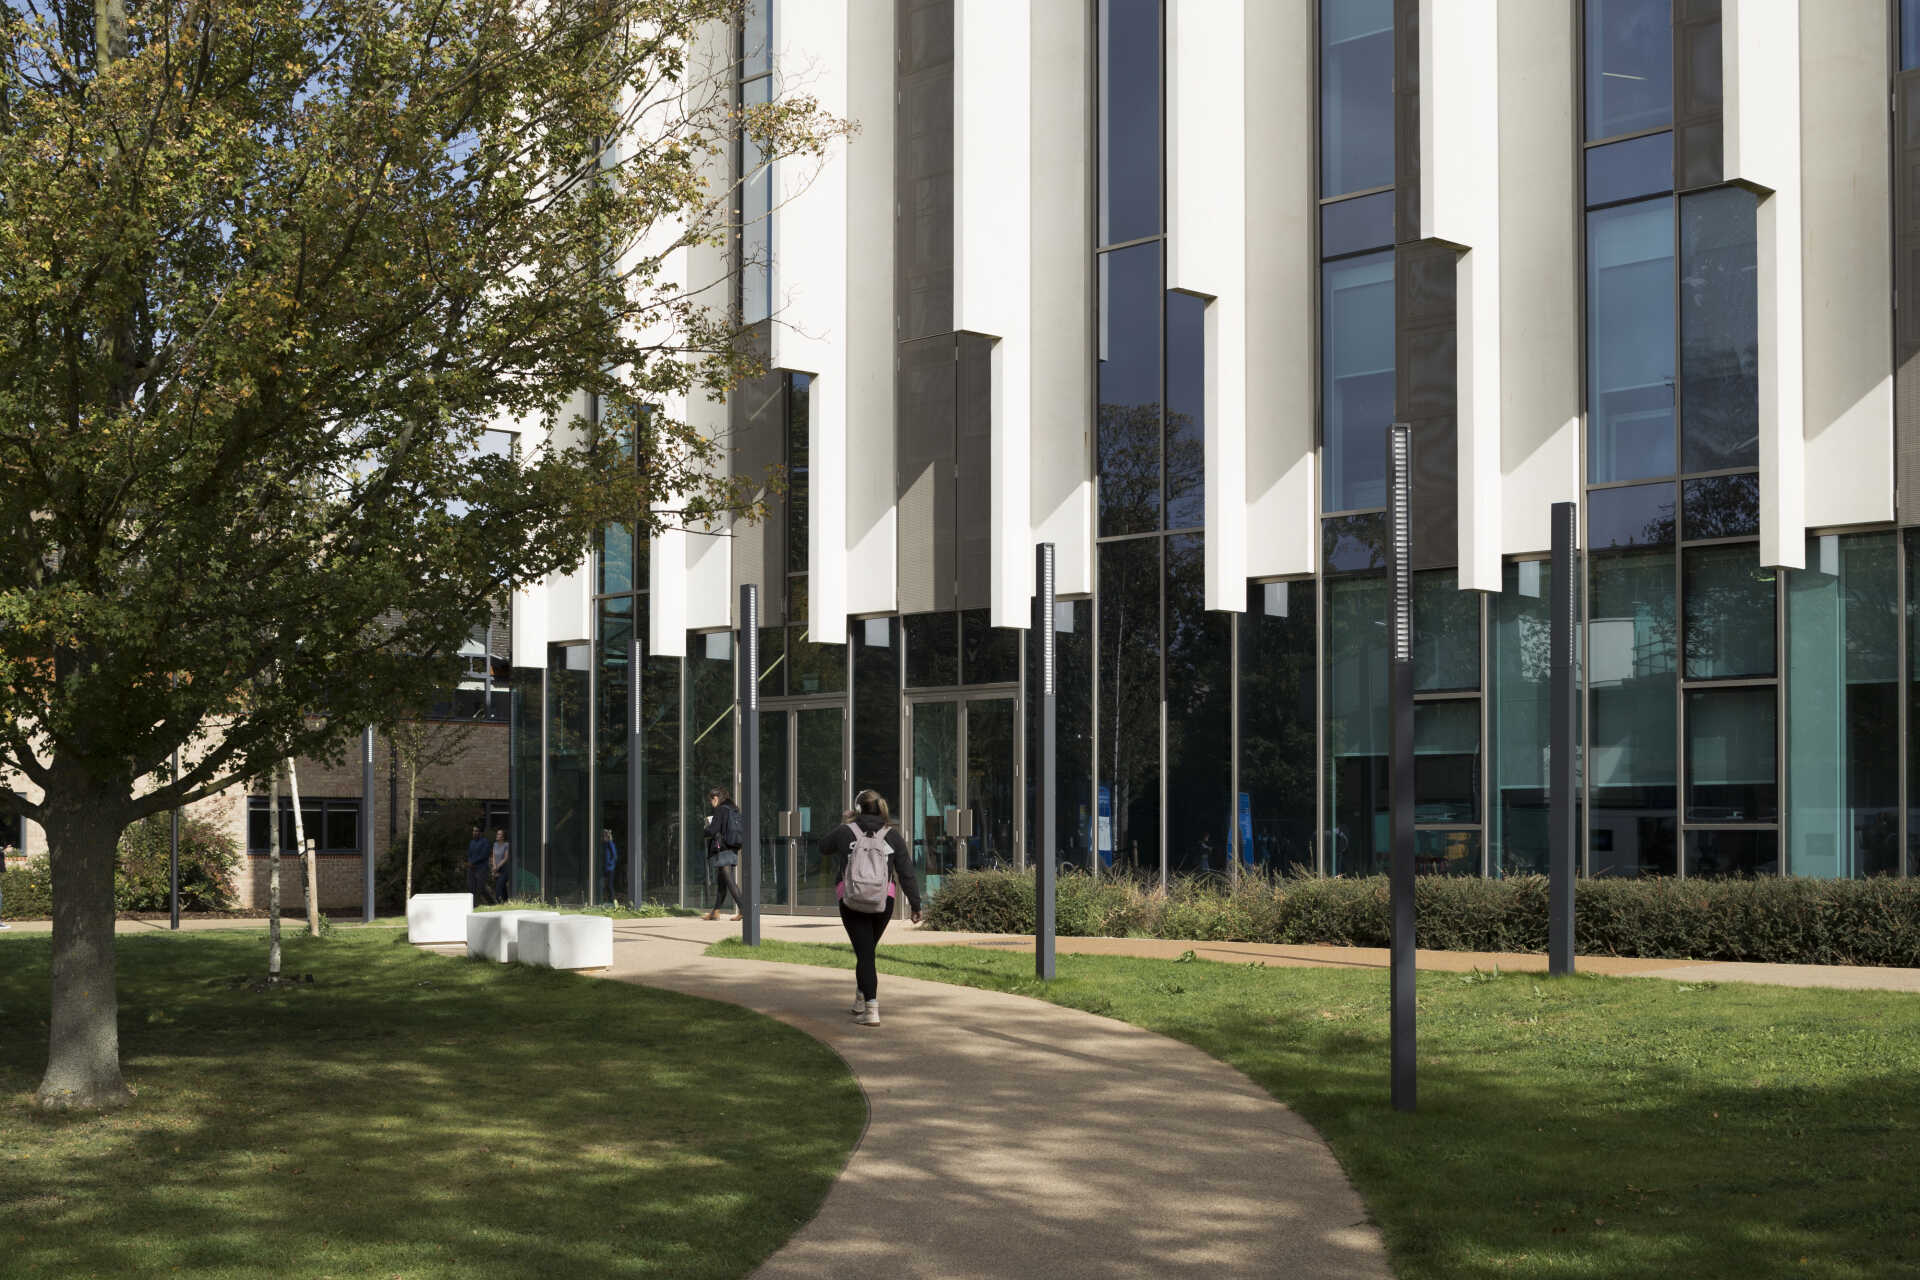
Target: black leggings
(723, 878)
(863, 930)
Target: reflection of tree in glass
(1128, 441)
(1130, 693)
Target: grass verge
(1585, 1127)
(411, 1115)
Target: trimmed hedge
(208, 859)
(26, 890)
(1777, 920)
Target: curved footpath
(1009, 1137)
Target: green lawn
(411, 1115)
(1586, 1127)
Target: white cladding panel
(869, 530)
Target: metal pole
(1563, 841)
(749, 650)
(366, 823)
(1400, 713)
(173, 854)
(1043, 891)
(636, 772)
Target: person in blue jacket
(609, 860)
(479, 854)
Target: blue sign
(1246, 828)
(1105, 825)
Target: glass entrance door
(803, 784)
(962, 810)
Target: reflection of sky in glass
(1186, 410)
(1129, 119)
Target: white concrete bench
(495, 935)
(438, 917)
(567, 942)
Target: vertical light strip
(1400, 543)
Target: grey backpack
(868, 865)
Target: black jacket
(720, 854)
(839, 844)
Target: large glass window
(708, 697)
(1446, 762)
(1357, 379)
(1629, 48)
(1356, 728)
(799, 400)
(1446, 633)
(1719, 331)
(1730, 740)
(569, 715)
(1630, 333)
(612, 722)
(1277, 715)
(1356, 95)
(1630, 681)
(1129, 120)
(1073, 734)
(1129, 765)
(876, 705)
(1200, 720)
(1521, 677)
(1729, 610)
(756, 211)
(1186, 411)
(660, 793)
(1127, 431)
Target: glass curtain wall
(1276, 728)
(569, 759)
(707, 721)
(754, 242)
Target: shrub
(26, 889)
(439, 857)
(208, 859)
(1779, 920)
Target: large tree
(268, 271)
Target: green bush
(439, 857)
(26, 890)
(208, 859)
(1777, 920)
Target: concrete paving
(1010, 1137)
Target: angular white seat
(438, 917)
(567, 942)
(495, 935)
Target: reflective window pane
(1630, 342)
(1446, 761)
(1446, 853)
(1843, 726)
(1446, 633)
(1909, 34)
(611, 728)
(1638, 515)
(1277, 713)
(1073, 734)
(1348, 226)
(1630, 669)
(1520, 719)
(1350, 544)
(1200, 805)
(1128, 768)
(1129, 119)
(1722, 507)
(1358, 839)
(988, 654)
(616, 559)
(1719, 331)
(756, 37)
(708, 700)
(1730, 765)
(933, 650)
(814, 668)
(1357, 379)
(756, 215)
(660, 793)
(1186, 410)
(1629, 61)
(1716, 854)
(1729, 612)
(1636, 167)
(799, 434)
(1127, 432)
(569, 756)
(876, 704)
(1356, 95)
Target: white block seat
(495, 935)
(567, 942)
(438, 917)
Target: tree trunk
(273, 875)
(413, 777)
(83, 1042)
(306, 852)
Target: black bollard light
(1563, 841)
(1400, 713)
(1043, 899)
(749, 651)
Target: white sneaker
(870, 1017)
(5, 925)
(859, 1004)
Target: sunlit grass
(411, 1115)
(1585, 1127)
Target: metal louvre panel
(1698, 96)
(1426, 393)
(923, 168)
(924, 461)
(972, 527)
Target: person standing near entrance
(726, 836)
(870, 858)
(500, 851)
(479, 853)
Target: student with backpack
(870, 856)
(726, 836)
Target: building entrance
(963, 783)
(803, 792)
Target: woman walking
(870, 857)
(726, 835)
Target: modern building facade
(1149, 280)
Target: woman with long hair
(870, 859)
(726, 834)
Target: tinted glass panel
(1129, 119)
(757, 37)
(1353, 543)
(876, 704)
(1634, 516)
(1843, 730)
(1129, 765)
(660, 796)
(1348, 226)
(1630, 341)
(1446, 853)
(568, 756)
(1277, 727)
(1636, 167)
(1729, 611)
(1909, 34)
(1629, 59)
(933, 650)
(773, 662)
(814, 668)
(1356, 728)
(1186, 410)
(709, 719)
(1723, 507)
(988, 654)
(1630, 668)
(1200, 804)
(1912, 658)
(1127, 436)
(612, 724)
(1446, 633)
(1730, 768)
(1356, 95)
(616, 559)
(756, 215)
(1073, 734)
(1446, 761)
(1357, 379)
(1719, 331)
(798, 436)
(1520, 719)
(1713, 854)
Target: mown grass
(1585, 1127)
(411, 1115)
